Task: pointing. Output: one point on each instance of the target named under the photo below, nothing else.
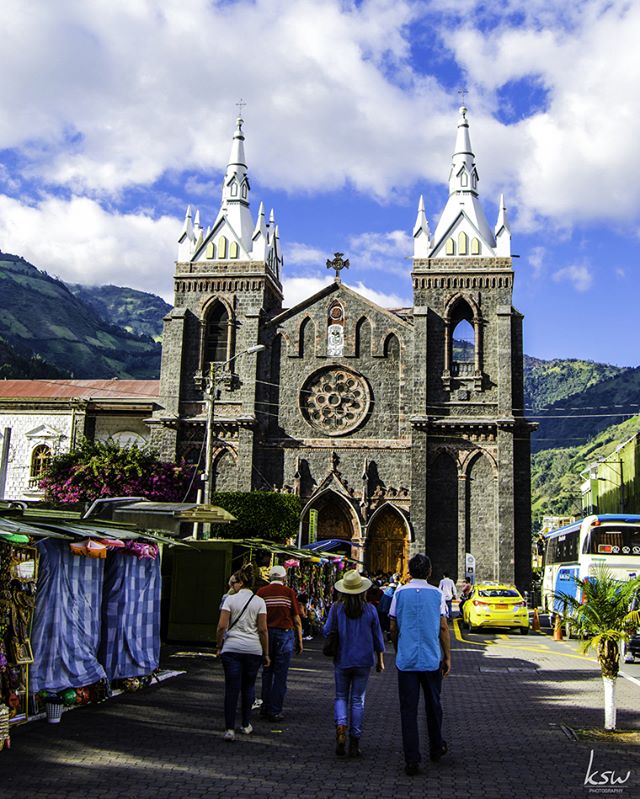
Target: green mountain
(555, 473)
(19, 367)
(548, 382)
(136, 311)
(40, 315)
(576, 418)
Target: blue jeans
(274, 679)
(449, 603)
(409, 685)
(240, 672)
(351, 687)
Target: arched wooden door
(334, 518)
(387, 542)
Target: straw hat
(353, 583)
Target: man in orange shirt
(285, 632)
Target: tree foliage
(99, 469)
(259, 514)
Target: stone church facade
(397, 436)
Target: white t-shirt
(243, 636)
(448, 587)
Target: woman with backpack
(360, 646)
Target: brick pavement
(505, 704)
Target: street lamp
(210, 397)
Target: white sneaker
(256, 704)
(229, 735)
(246, 730)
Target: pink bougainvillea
(98, 469)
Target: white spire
(463, 213)
(503, 231)
(260, 236)
(421, 233)
(235, 190)
(187, 238)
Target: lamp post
(210, 398)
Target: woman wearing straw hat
(361, 646)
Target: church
(398, 433)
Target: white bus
(574, 551)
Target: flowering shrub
(98, 469)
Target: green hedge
(259, 514)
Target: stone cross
(338, 263)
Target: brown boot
(354, 747)
(341, 739)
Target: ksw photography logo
(603, 780)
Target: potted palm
(601, 616)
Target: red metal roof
(80, 389)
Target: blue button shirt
(417, 608)
(359, 638)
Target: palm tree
(601, 616)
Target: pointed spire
(463, 175)
(261, 225)
(503, 231)
(421, 233)
(187, 238)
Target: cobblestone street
(506, 704)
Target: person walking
(243, 644)
(448, 588)
(420, 635)
(360, 647)
(285, 632)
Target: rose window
(335, 401)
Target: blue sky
(120, 112)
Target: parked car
(495, 605)
(633, 646)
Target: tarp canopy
(328, 545)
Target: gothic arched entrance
(387, 541)
(329, 515)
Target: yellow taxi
(495, 605)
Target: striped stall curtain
(66, 624)
(130, 642)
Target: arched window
(451, 247)
(462, 356)
(244, 191)
(211, 250)
(464, 179)
(218, 339)
(463, 243)
(222, 247)
(233, 249)
(40, 458)
(475, 246)
(234, 189)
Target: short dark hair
(420, 566)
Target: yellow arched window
(450, 247)
(211, 250)
(475, 246)
(233, 249)
(463, 243)
(222, 247)
(40, 458)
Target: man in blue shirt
(420, 635)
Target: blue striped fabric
(130, 645)
(66, 626)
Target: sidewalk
(506, 704)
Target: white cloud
(386, 252)
(536, 260)
(570, 162)
(298, 254)
(382, 298)
(579, 276)
(297, 289)
(80, 242)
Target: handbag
(332, 641)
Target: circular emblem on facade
(335, 401)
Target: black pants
(410, 683)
